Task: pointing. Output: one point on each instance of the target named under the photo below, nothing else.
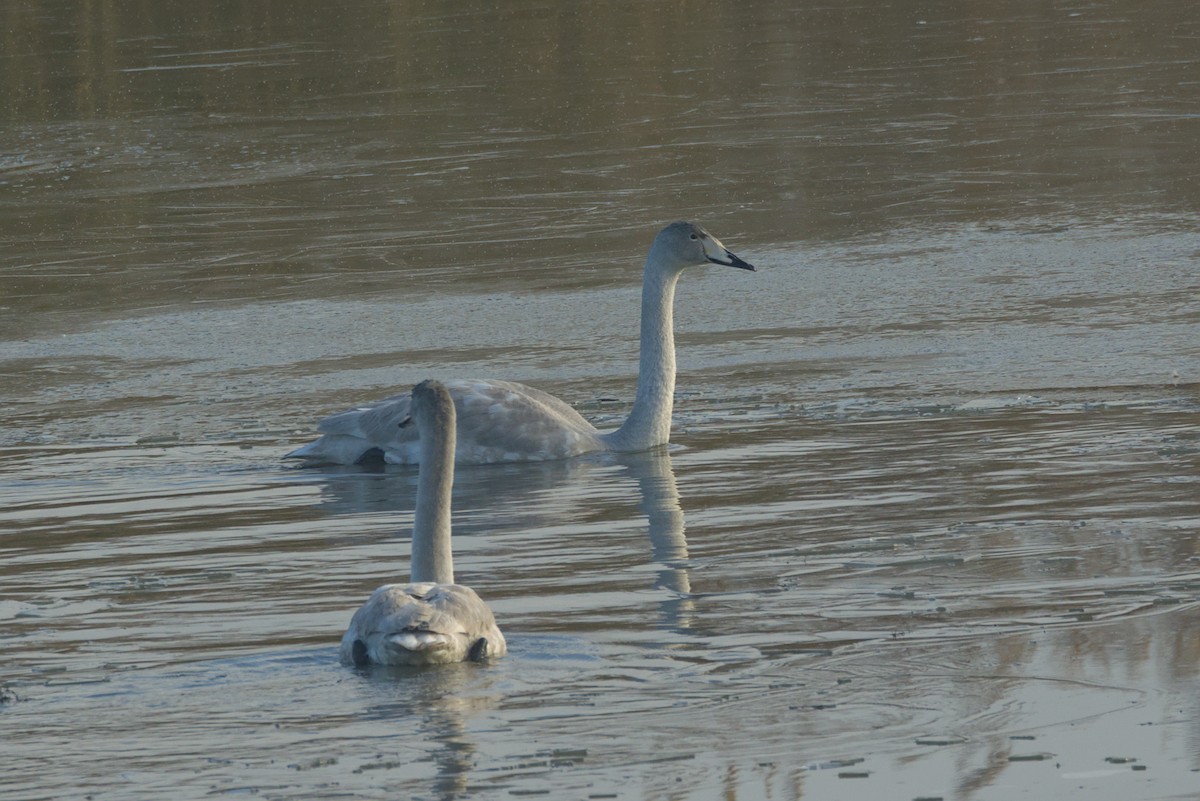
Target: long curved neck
(649, 422)
(432, 559)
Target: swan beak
(717, 253)
(732, 260)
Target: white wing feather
(498, 421)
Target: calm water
(931, 523)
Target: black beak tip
(741, 264)
(734, 261)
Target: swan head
(683, 244)
(432, 407)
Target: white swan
(501, 421)
(431, 620)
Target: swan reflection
(660, 503)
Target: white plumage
(502, 421)
(422, 624)
(431, 620)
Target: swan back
(422, 624)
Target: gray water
(929, 525)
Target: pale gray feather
(501, 421)
(422, 624)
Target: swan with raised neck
(430, 620)
(503, 421)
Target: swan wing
(350, 436)
(503, 421)
(382, 427)
(498, 421)
(376, 422)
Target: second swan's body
(502, 421)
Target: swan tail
(335, 449)
(419, 640)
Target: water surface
(929, 527)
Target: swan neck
(432, 559)
(649, 422)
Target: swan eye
(695, 237)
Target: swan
(502, 421)
(430, 620)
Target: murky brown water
(931, 524)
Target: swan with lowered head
(431, 620)
(502, 421)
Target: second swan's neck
(432, 559)
(649, 422)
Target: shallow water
(929, 527)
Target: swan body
(503, 421)
(499, 421)
(431, 620)
(422, 624)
